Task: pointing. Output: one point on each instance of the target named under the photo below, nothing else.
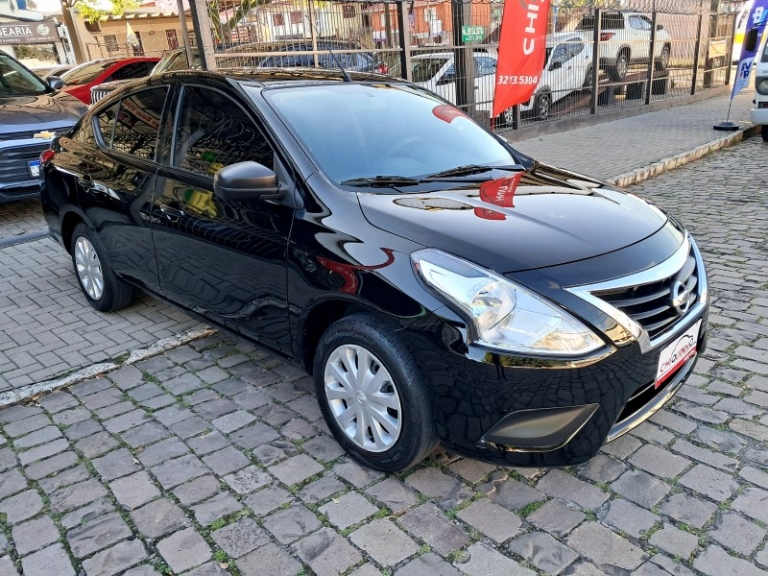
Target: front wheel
(372, 395)
(542, 106)
(619, 71)
(100, 285)
(764, 132)
(663, 60)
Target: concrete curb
(31, 390)
(672, 162)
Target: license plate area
(34, 168)
(677, 353)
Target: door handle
(170, 212)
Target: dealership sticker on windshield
(34, 168)
(677, 353)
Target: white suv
(625, 39)
(760, 112)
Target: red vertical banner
(522, 48)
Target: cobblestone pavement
(213, 458)
(18, 218)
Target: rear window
(610, 21)
(85, 73)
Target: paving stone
(183, 384)
(688, 510)
(11, 482)
(144, 434)
(749, 474)
(715, 459)
(87, 513)
(265, 501)
(174, 472)
(355, 474)
(190, 427)
(97, 534)
(673, 567)
(226, 461)
(321, 489)
(369, 570)
(159, 518)
(715, 561)
(269, 560)
(738, 534)
(134, 490)
(649, 569)
(393, 494)
(640, 488)
(652, 433)
(26, 425)
(430, 524)
(627, 517)
(115, 464)
(298, 429)
(241, 537)
(215, 408)
(473, 471)
(101, 399)
(584, 569)
(57, 401)
(253, 436)
(42, 436)
(676, 542)
(73, 416)
(145, 391)
(710, 482)
(429, 563)
(348, 510)
(33, 535)
(543, 551)
(207, 443)
(21, 506)
(116, 559)
(269, 454)
(493, 520)
(327, 553)
(513, 494)
(602, 468)
(126, 421)
(446, 490)
(659, 462)
(209, 569)
(561, 485)
(42, 452)
(48, 562)
(250, 399)
(384, 542)
(217, 507)
(6, 567)
(197, 490)
(82, 429)
(126, 377)
(606, 550)
(674, 422)
(172, 415)
(184, 550)
(8, 459)
(753, 502)
(556, 518)
(96, 445)
(291, 524)
(483, 560)
(162, 451)
(231, 387)
(296, 469)
(234, 421)
(247, 480)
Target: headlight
(761, 83)
(504, 315)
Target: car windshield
(176, 61)
(15, 80)
(359, 131)
(85, 73)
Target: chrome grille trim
(670, 267)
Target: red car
(80, 79)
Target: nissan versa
(439, 285)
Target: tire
(542, 106)
(588, 79)
(764, 132)
(662, 61)
(101, 287)
(619, 70)
(406, 431)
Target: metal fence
(599, 57)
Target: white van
(760, 111)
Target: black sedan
(439, 285)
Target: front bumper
(760, 115)
(545, 412)
(16, 179)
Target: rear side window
(130, 71)
(138, 122)
(105, 123)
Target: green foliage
(92, 11)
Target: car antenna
(344, 74)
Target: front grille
(14, 162)
(17, 135)
(658, 305)
(97, 94)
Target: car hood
(37, 113)
(532, 219)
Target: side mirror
(55, 82)
(659, 27)
(750, 40)
(246, 181)
(555, 66)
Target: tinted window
(485, 65)
(16, 80)
(575, 48)
(138, 122)
(105, 122)
(612, 21)
(86, 73)
(639, 23)
(212, 131)
(133, 70)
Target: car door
(558, 72)
(115, 181)
(641, 38)
(578, 63)
(222, 259)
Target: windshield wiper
(470, 169)
(382, 181)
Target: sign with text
(472, 33)
(757, 18)
(28, 32)
(522, 48)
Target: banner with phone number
(522, 48)
(757, 18)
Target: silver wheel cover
(362, 398)
(89, 268)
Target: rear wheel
(619, 71)
(100, 285)
(372, 395)
(542, 106)
(663, 60)
(588, 78)
(764, 132)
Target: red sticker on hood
(447, 113)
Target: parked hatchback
(439, 285)
(81, 79)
